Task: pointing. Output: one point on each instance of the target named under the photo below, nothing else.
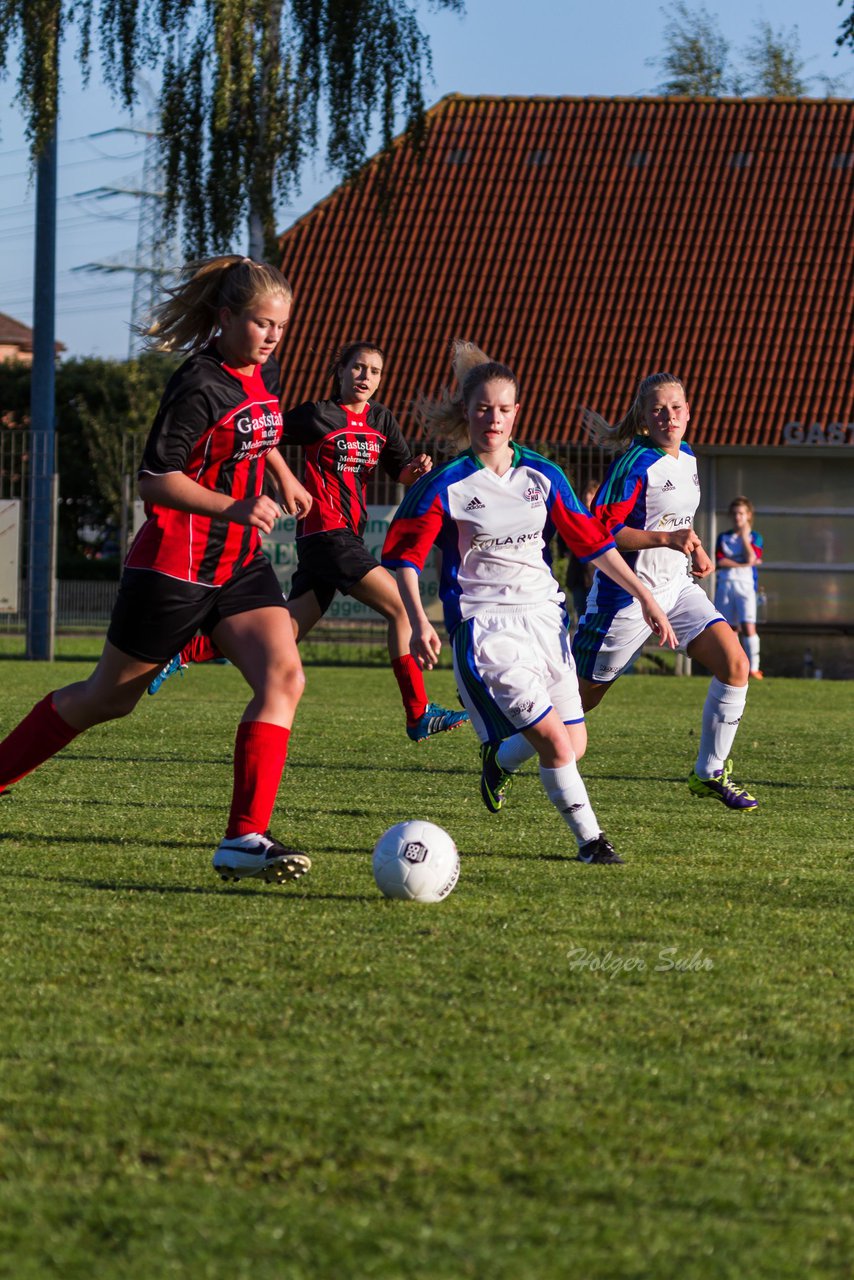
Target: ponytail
(189, 317)
(618, 437)
(444, 418)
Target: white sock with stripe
(567, 792)
(722, 712)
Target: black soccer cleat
(599, 852)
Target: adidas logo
(668, 486)
(475, 504)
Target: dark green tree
(845, 39)
(104, 410)
(245, 83)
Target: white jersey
(646, 488)
(493, 532)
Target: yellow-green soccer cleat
(495, 782)
(721, 787)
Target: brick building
(590, 241)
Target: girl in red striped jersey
(345, 438)
(197, 562)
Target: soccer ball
(416, 860)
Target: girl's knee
(289, 680)
(736, 668)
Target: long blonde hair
(618, 437)
(445, 418)
(189, 317)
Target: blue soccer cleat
(435, 720)
(173, 665)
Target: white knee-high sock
(721, 714)
(751, 646)
(514, 751)
(567, 792)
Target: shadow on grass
(516, 855)
(219, 891)
(109, 842)
(294, 766)
(775, 785)
(141, 759)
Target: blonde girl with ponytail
(648, 499)
(197, 562)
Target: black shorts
(330, 562)
(154, 615)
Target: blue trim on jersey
(623, 475)
(587, 642)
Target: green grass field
(640, 1071)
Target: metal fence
(84, 608)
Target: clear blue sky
(498, 47)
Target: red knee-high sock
(38, 737)
(260, 751)
(411, 683)
(200, 649)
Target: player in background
(197, 563)
(579, 574)
(648, 500)
(738, 553)
(345, 438)
(492, 511)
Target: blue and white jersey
(730, 546)
(646, 488)
(493, 532)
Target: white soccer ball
(416, 860)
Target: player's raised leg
(424, 719)
(261, 645)
(110, 692)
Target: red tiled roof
(15, 334)
(590, 241)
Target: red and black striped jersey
(217, 426)
(342, 448)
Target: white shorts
(735, 597)
(512, 666)
(605, 643)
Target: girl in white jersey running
(648, 500)
(492, 511)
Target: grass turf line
(608, 1072)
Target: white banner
(10, 550)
